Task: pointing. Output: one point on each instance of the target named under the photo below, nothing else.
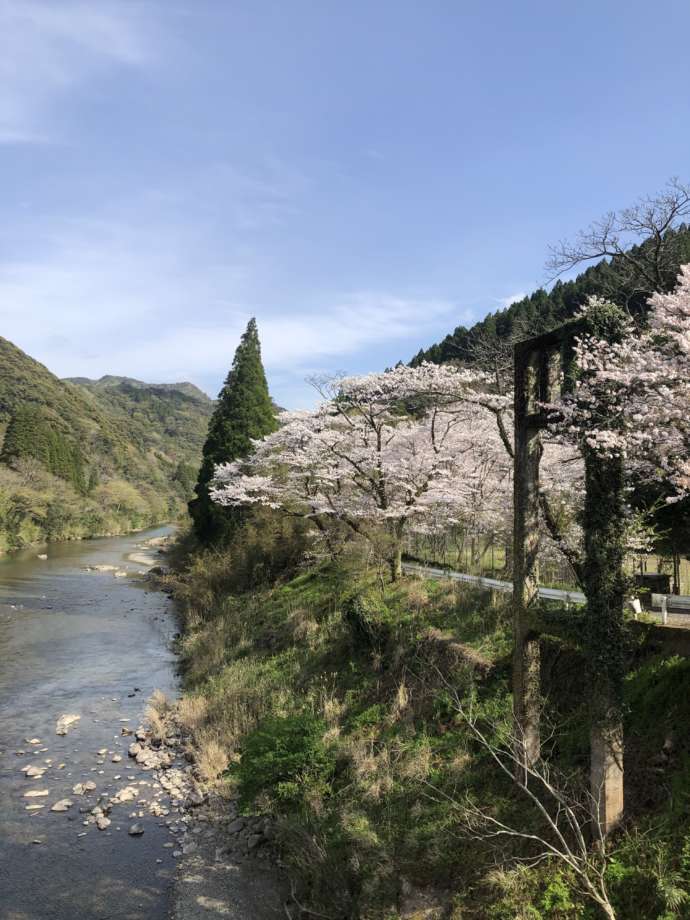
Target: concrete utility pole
(526, 651)
(543, 370)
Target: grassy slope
(374, 751)
(141, 443)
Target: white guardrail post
(665, 602)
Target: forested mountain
(543, 309)
(80, 458)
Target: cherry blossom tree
(632, 395)
(380, 451)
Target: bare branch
(637, 241)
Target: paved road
(679, 607)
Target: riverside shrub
(283, 757)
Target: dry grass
(303, 627)
(417, 595)
(157, 714)
(416, 764)
(211, 756)
(192, 713)
(372, 768)
(401, 702)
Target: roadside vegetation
(329, 699)
(371, 714)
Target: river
(74, 640)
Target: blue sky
(361, 176)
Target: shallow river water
(83, 642)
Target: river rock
(126, 794)
(42, 556)
(65, 722)
(62, 805)
(134, 749)
(34, 771)
(254, 841)
(102, 822)
(116, 758)
(196, 797)
(136, 830)
(36, 793)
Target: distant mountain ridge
(111, 380)
(82, 457)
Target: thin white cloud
(505, 302)
(296, 343)
(147, 299)
(49, 49)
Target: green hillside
(543, 310)
(80, 458)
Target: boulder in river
(127, 794)
(65, 722)
(136, 830)
(62, 805)
(34, 771)
(102, 822)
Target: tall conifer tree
(244, 412)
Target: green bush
(284, 757)
(367, 627)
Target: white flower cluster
(632, 398)
(407, 443)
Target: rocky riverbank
(102, 801)
(227, 864)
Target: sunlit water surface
(77, 641)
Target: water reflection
(87, 642)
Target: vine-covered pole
(604, 524)
(544, 372)
(526, 649)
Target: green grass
(333, 699)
